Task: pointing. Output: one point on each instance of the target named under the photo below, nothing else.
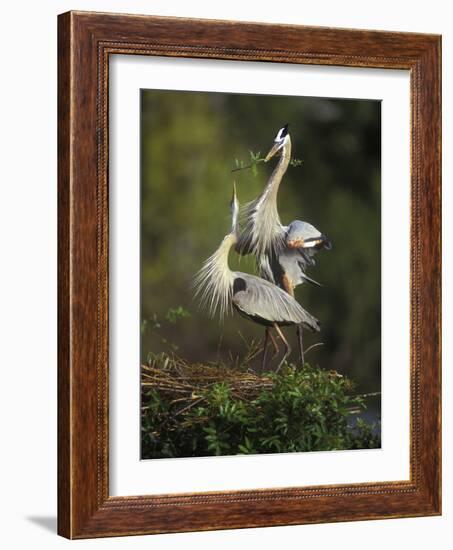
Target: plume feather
(214, 282)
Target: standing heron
(283, 252)
(252, 297)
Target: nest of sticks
(188, 384)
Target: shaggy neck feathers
(262, 221)
(214, 281)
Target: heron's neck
(279, 171)
(222, 267)
(267, 202)
(267, 227)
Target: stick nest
(187, 384)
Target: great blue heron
(261, 301)
(283, 252)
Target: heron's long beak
(272, 152)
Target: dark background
(190, 141)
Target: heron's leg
(274, 343)
(301, 345)
(287, 346)
(266, 338)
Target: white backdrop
(28, 274)
(128, 475)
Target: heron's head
(281, 139)
(234, 205)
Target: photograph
(226, 225)
(260, 279)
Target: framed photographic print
(249, 275)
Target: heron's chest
(291, 267)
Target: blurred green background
(189, 142)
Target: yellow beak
(272, 152)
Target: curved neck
(279, 171)
(264, 224)
(222, 253)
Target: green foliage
(175, 314)
(255, 159)
(299, 409)
(296, 162)
(159, 328)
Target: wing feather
(269, 302)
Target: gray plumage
(283, 253)
(220, 290)
(267, 304)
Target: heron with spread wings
(221, 289)
(283, 252)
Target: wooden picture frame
(85, 42)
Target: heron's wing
(294, 263)
(261, 299)
(303, 235)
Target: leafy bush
(174, 314)
(298, 409)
